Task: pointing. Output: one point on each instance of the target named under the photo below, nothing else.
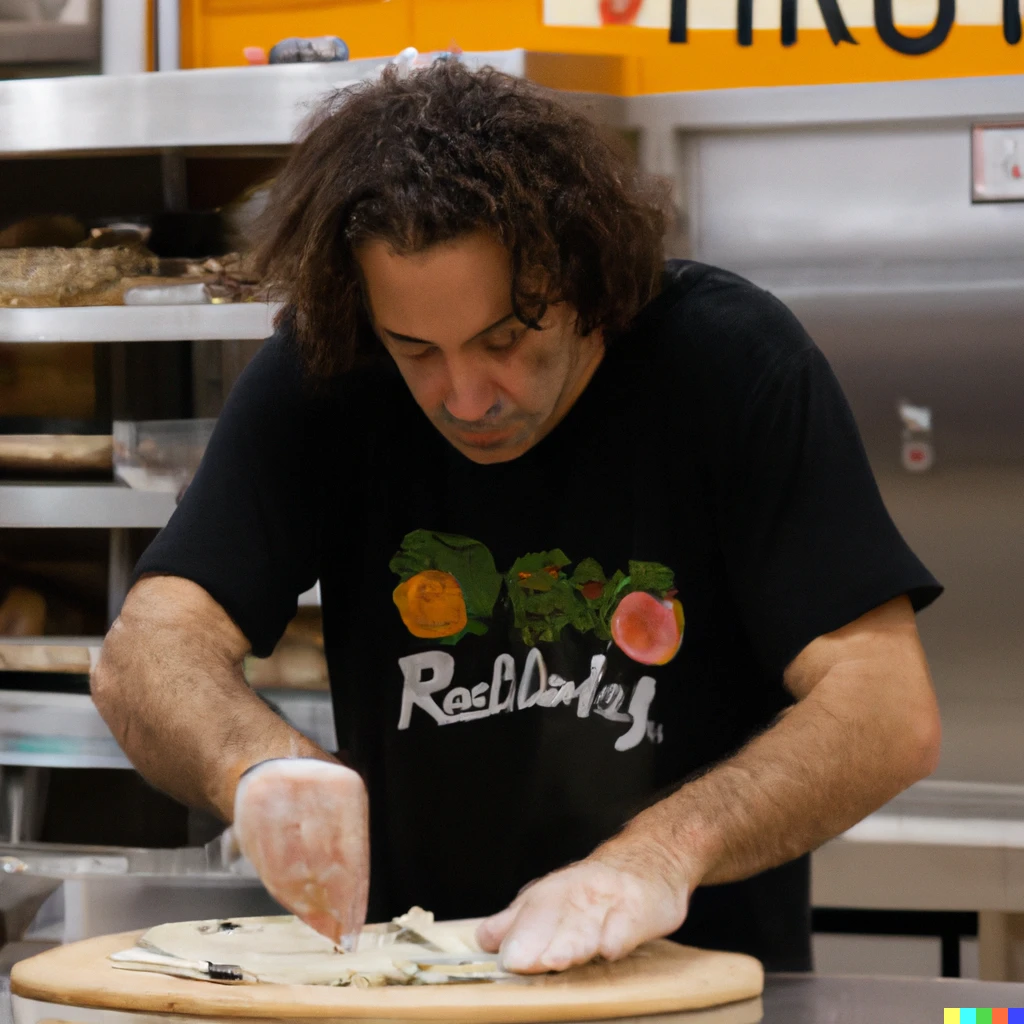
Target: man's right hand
(304, 825)
(169, 683)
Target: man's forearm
(178, 703)
(833, 758)
(865, 726)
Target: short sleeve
(247, 527)
(808, 543)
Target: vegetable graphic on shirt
(639, 611)
(649, 630)
(595, 589)
(431, 604)
(449, 585)
(647, 620)
(543, 600)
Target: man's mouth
(489, 438)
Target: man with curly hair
(608, 516)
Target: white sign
(767, 14)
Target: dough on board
(284, 951)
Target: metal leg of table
(22, 802)
(1000, 946)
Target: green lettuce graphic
(543, 599)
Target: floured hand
(304, 825)
(595, 907)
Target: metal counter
(810, 999)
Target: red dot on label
(916, 456)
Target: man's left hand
(606, 905)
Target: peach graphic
(649, 630)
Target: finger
(324, 923)
(491, 932)
(619, 936)
(532, 930)
(577, 939)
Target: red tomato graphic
(620, 12)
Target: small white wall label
(998, 159)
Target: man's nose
(471, 392)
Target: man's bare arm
(865, 727)
(169, 684)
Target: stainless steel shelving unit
(174, 114)
(223, 112)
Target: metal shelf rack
(210, 108)
(82, 506)
(242, 321)
(64, 730)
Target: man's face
(492, 386)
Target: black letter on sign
(677, 25)
(1011, 22)
(745, 22)
(834, 22)
(914, 46)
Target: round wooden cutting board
(660, 977)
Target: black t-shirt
(711, 467)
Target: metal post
(119, 571)
(123, 47)
(174, 180)
(168, 35)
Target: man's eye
(507, 341)
(419, 352)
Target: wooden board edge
(33, 979)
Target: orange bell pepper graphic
(431, 604)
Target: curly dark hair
(425, 157)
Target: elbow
(106, 677)
(923, 740)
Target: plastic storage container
(159, 455)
